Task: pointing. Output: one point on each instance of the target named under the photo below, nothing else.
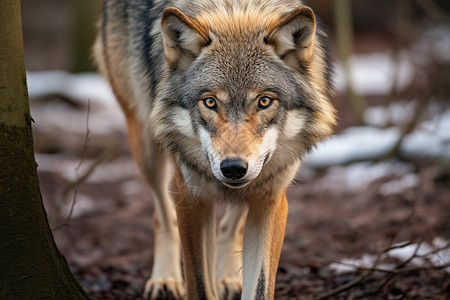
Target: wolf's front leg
(196, 223)
(263, 238)
(166, 281)
(229, 253)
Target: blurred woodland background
(370, 209)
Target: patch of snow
(367, 261)
(105, 114)
(433, 44)
(106, 172)
(114, 171)
(396, 113)
(79, 87)
(354, 143)
(430, 139)
(84, 204)
(373, 74)
(56, 163)
(437, 254)
(398, 186)
(358, 176)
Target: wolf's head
(244, 89)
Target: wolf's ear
(183, 36)
(293, 34)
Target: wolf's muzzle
(233, 168)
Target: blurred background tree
(58, 34)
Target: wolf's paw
(164, 289)
(229, 288)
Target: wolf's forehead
(237, 53)
(238, 69)
(238, 60)
(236, 73)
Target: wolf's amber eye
(210, 103)
(265, 102)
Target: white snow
(355, 143)
(434, 44)
(434, 255)
(407, 181)
(105, 114)
(367, 261)
(120, 170)
(358, 176)
(57, 163)
(430, 139)
(374, 74)
(398, 113)
(75, 86)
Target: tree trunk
(31, 267)
(85, 15)
(344, 41)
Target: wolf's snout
(233, 168)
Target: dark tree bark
(31, 267)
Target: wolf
(222, 100)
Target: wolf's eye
(210, 103)
(265, 102)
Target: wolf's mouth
(235, 185)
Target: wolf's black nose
(233, 168)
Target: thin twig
(400, 266)
(78, 179)
(397, 271)
(74, 184)
(406, 221)
(374, 268)
(367, 271)
(435, 251)
(410, 126)
(433, 11)
(352, 283)
(70, 186)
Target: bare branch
(73, 185)
(433, 11)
